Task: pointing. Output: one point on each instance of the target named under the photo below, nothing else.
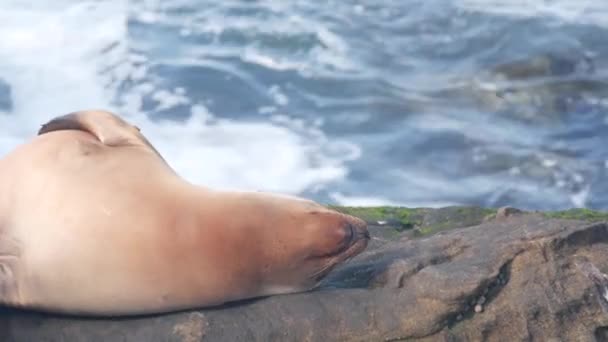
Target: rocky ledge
(450, 274)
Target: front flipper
(107, 127)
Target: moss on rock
(403, 218)
(419, 221)
(582, 214)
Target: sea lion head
(304, 242)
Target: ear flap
(66, 122)
(108, 128)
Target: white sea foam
(47, 57)
(72, 55)
(347, 200)
(582, 11)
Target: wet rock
(505, 212)
(545, 65)
(523, 277)
(544, 89)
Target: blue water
(416, 103)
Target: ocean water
(415, 103)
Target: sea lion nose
(359, 227)
(366, 234)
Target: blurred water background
(410, 102)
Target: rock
(543, 89)
(542, 278)
(505, 212)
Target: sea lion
(94, 222)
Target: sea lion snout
(359, 227)
(355, 229)
(338, 238)
(356, 235)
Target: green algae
(582, 214)
(407, 218)
(419, 222)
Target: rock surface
(512, 276)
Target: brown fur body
(106, 227)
